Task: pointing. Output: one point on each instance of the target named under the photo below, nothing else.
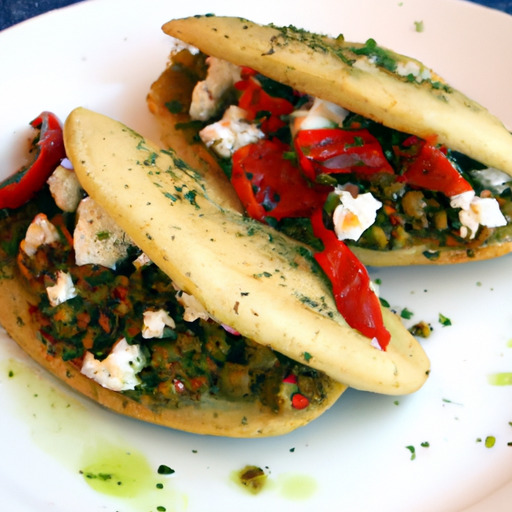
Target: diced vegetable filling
(378, 188)
(126, 325)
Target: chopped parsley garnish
(419, 26)
(309, 302)
(190, 196)
(448, 401)
(263, 274)
(444, 320)
(103, 235)
(382, 57)
(170, 196)
(99, 476)
(165, 470)
(406, 314)
(307, 356)
(151, 159)
(412, 449)
(384, 303)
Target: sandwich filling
(105, 308)
(289, 155)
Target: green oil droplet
(296, 487)
(124, 473)
(52, 415)
(490, 441)
(500, 379)
(115, 471)
(57, 420)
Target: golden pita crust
(329, 69)
(211, 417)
(244, 273)
(416, 255)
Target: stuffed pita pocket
(83, 301)
(248, 276)
(86, 300)
(411, 170)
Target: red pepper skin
(270, 185)
(334, 150)
(299, 401)
(291, 379)
(49, 152)
(255, 101)
(431, 169)
(355, 299)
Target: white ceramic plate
(104, 55)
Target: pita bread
(334, 70)
(330, 69)
(244, 273)
(210, 415)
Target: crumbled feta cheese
(484, 211)
(374, 287)
(155, 323)
(413, 68)
(208, 93)
(492, 178)
(462, 200)
(322, 114)
(354, 215)
(193, 308)
(40, 232)
(477, 211)
(97, 239)
(65, 188)
(375, 344)
(66, 163)
(365, 64)
(142, 260)
(408, 68)
(118, 371)
(62, 290)
(232, 132)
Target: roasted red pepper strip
(49, 151)
(333, 150)
(355, 299)
(257, 102)
(270, 185)
(431, 169)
